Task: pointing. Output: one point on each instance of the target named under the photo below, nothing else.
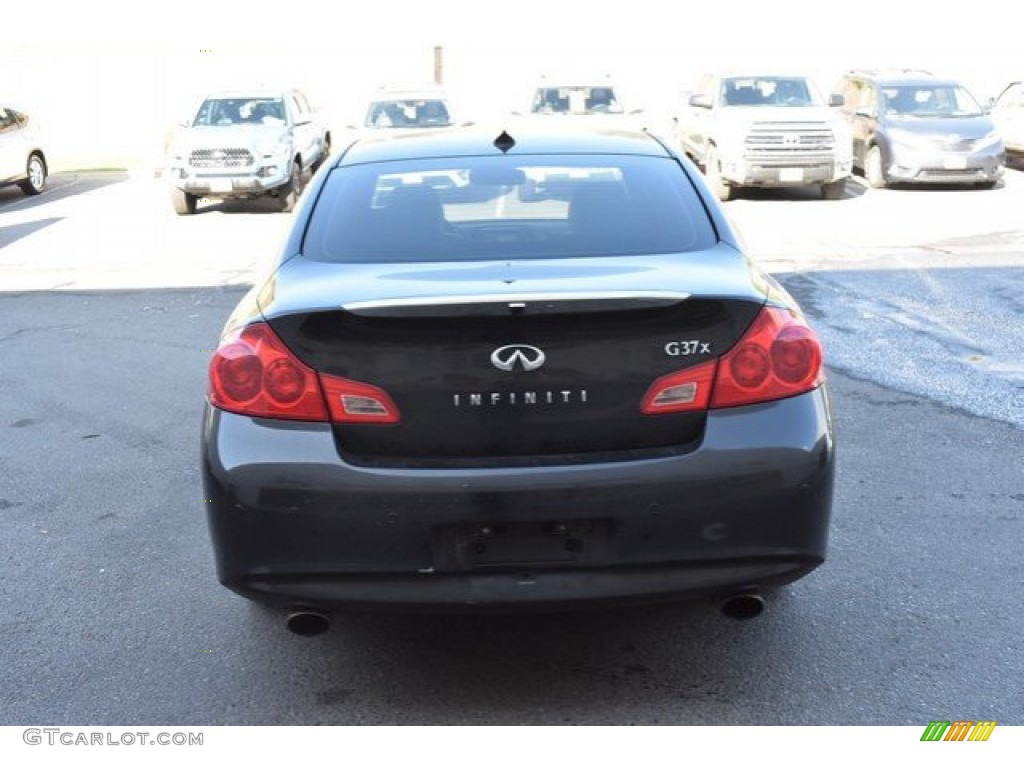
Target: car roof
(581, 83)
(914, 81)
(262, 92)
(409, 96)
(758, 74)
(474, 140)
(902, 77)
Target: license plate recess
(517, 545)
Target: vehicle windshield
(408, 113)
(929, 101)
(769, 92)
(576, 100)
(483, 208)
(240, 111)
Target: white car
(1008, 115)
(22, 160)
(591, 103)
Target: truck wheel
(833, 190)
(183, 202)
(873, 168)
(35, 175)
(325, 152)
(713, 175)
(291, 196)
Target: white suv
(765, 130)
(245, 144)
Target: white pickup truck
(765, 131)
(245, 144)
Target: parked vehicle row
(746, 129)
(895, 126)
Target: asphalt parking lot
(110, 612)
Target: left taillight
(253, 373)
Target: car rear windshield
(462, 209)
(408, 113)
(576, 100)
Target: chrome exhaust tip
(743, 607)
(308, 623)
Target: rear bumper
(292, 523)
(526, 588)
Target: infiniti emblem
(505, 358)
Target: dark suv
(912, 127)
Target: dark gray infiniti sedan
(515, 369)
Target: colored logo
(958, 730)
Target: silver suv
(245, 144)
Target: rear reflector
(688, 390)
(353, 402)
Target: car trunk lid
(505, 362)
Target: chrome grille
(775, 139)
(954, 143)
(946, 173)
(220, 158)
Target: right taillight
(779, 356)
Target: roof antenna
(504, 142)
